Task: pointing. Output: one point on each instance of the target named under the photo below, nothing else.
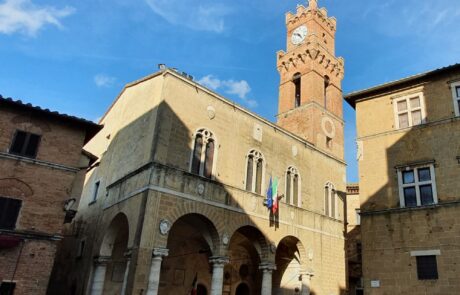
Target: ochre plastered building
(178, 191)
(409, 171)
(42, 169)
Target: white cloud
(102, 80)
(206, 16)
(239, 88)
(27, 18)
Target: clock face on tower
(299, 35)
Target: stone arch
(208, 214)
(205, 227)
(118, 226)
(257, 238)
(15, 188)
(290, 258)
(192, 240)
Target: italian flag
(275, 195)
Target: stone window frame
(432, 253)
(329, 188)
(207, 135)
(455, 87)
(416, 184)
(409, 110)
(256, 154)
(95, 190)
(293, 170)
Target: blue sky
(75, 56)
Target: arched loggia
(290, 262)
(248, 250)
(110, 267)
(192, 241)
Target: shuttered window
(427, 268)
(9, 212)
(25, 144)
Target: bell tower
(310, 91)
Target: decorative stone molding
(225, 239)
(211, 112)
(165, 226)
(200, 189)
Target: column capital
(267, 266)
(128, 253)
(102, 259)
(160, 252)
(307, 273)
(219, 260)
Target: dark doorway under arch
(201, 290)
(242, 289)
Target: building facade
(408, 150)
(176, 200)
(41, 177)
(353, 240)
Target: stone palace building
(176, 199)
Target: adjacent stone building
(176, 199)
(409, 168)
(353, 240)
(42, 170)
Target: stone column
(100, 268)
(125, 277)
(218, 264)
(267, 281)
(154, 276)
(306, 282)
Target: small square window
(25, 144)
(457, 91)
(427, 268)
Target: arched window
(327, 82)
(254, 171)
(292, 187)
(296, 80)
(203, 153)
(330, 200)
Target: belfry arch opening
(327, 83)
(296, 79)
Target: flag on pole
(274, 186)
(269, 200)
(194, 285)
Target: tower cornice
(311, 51)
